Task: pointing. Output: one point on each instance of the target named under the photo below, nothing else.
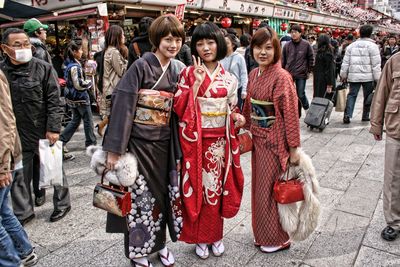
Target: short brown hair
(164, 25)
(262, 36)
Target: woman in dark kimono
(324, 69)
(141, 123)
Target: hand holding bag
(341, 97)
(112, 199)
(287, 190)
(245, 142)
(51, 161)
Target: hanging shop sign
(56, 4)
(180, 11)
(284, 13)
(240, 7)
(303, 16)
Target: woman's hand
(112, 159)
(238, 119)
(294, 157)
(243, 96)
(199, 71)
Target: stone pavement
(349, 166)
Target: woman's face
(264, 54)
(229, 45)
(170, 46)
(207, 49)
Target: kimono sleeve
(232, 92)
(123, 106)
(184, 105)
(287, 103)
(247, 104)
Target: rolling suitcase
(319, 113)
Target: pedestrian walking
(16, 249)
(361, 67)
(385, 111)
(298, 60)
(212, 177)
(324, 69)
(389, 50)
(270, 113)
(37, 33)
(140, 125)
(115, 63)
(77, 96)
(36, 103)
(235, 64)
(140, 44)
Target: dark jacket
(77, 86)
(324, 72)
(251, 64)
(298, 59)
(144, 46)
(36, 100)
(184, 55)
(40, 50)
(387, 53)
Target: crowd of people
(187, 149)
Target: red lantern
(284, 26)
(336, 31)
(226, 22)
(327, 29)
(317, 29)
(302, 27)
(256, 23)
(354, 33)
(346, 32)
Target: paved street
(349, 166)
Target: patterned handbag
(245, 142)
(287, 190)
(112, 199)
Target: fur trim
(300, 219)
(126, 168)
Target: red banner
(180, 11)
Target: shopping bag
(341, 98)
(50, 163)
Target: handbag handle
(105, 171)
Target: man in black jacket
(140, 44)
(36, 102)
(298, 60)
(37, 33)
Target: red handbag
(245, 142)
(288, 191)
(112, 199)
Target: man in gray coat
(385, 110)
(361, 66)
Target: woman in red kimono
(272, 117)
(212, 182)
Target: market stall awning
(56, 17)
(13, 11)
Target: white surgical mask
(23, 55)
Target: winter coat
(361, 62)
(184, 55)
(324, 72)
(77, 86)
(40, 50)
(36, 100)
(144, 46)
(387, 53)
(251, 64)
(10, 146)
(386, 101)
(298, 59)
(114, 67)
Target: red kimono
(270, 148)
(212, 179)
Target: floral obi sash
(153, 107)
(263, 113)
(213, 111)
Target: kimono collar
(214, 73)
(270, 68)
(164, 68)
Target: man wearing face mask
(35, 97)
(37, 33)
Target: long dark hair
(113, 37)
(324, 44)
(69, 51)
(209, 30)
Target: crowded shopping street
(149, 133)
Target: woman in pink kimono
(212, 182)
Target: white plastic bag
(50, 163)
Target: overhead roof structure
(14, 11)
